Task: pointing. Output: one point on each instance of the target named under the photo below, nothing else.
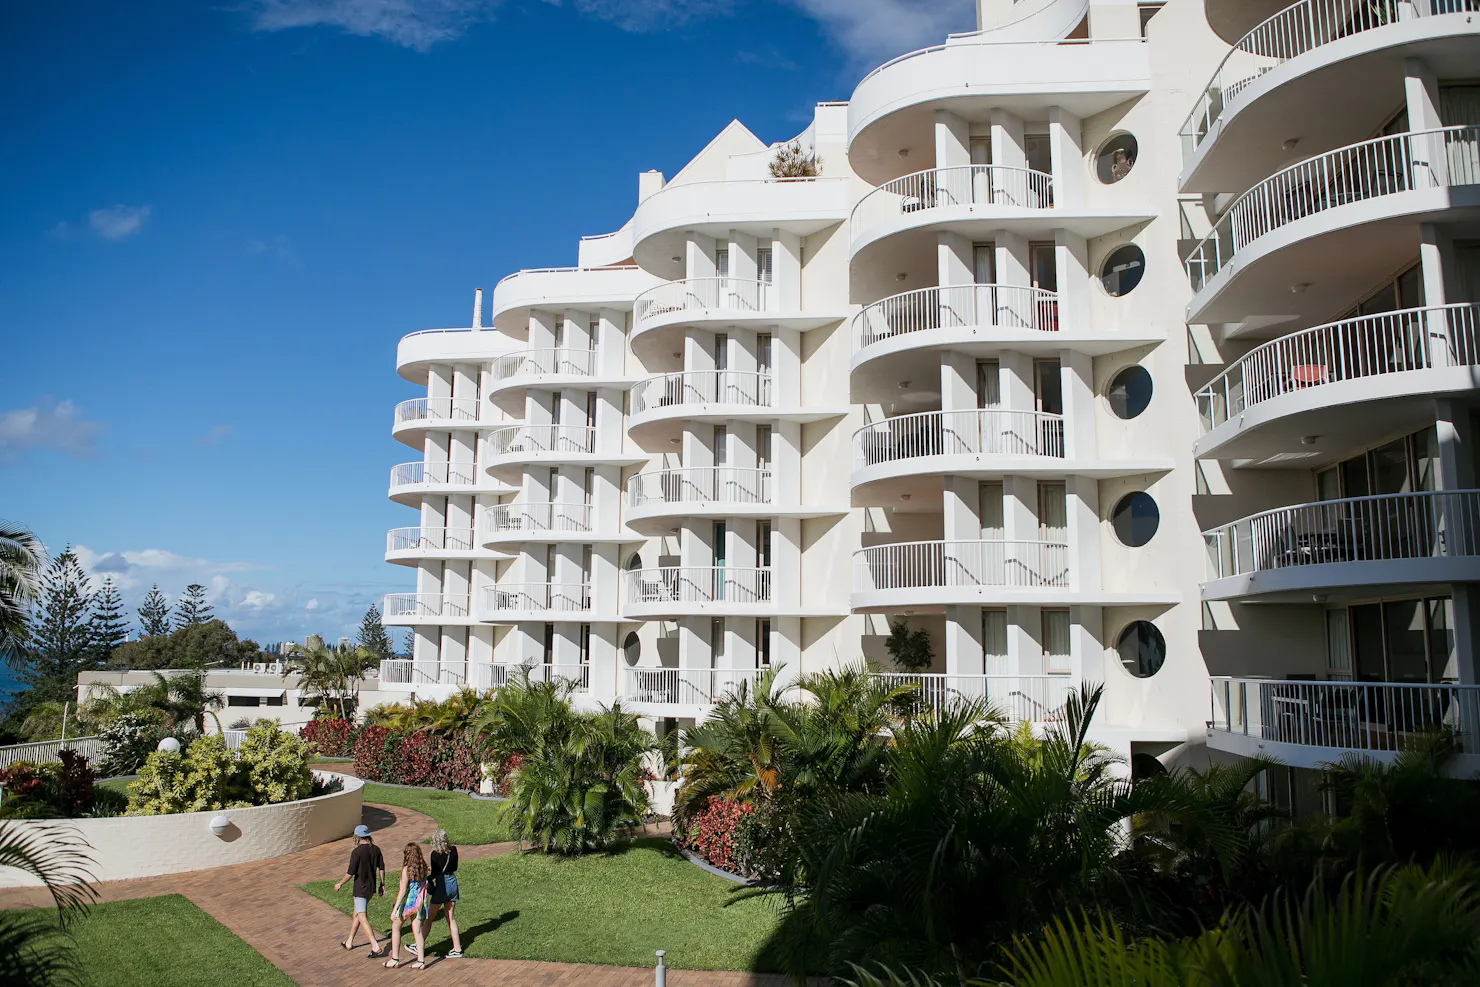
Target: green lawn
(615, 908)
(165, 942)
(468, 821)
(117, 784)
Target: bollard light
(660, 973)
(169, 745)
(219, 825)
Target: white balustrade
(482, 676)
(1001, 186)
(1426, 159)
(50, 751)
(517, 439)
(701, 294)
(1360, 716)
(449, 474)
(698, 584)
(552, 360)
(703, 387)
(1021, 698)
(683, 686)
(429, 540)
(700, 484)
(552, 597)
(1386, 527)
(437, 410)
(977, 431)
(406, 671)
(424, 605)
(522, 518)
(1000, 306)
(942, 564)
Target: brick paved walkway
(296, 932)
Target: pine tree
(154, 613)
(373, 637)
(193, 608)
(109, 626)
(61, 634)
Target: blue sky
(220, 217)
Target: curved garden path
(261, 903)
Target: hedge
(423, 758)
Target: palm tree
(34, 949)
(178, 700)
(22, 563)
(331, 675)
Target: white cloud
(646, 15)
(873, 30)
(311, 605)
(118, 222)
(257, 599)
(46, 425)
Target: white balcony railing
(944, 564)
(448, 474)
(683, 686)
(541, 438)
(1359, 716)
(552, 360)
(406, 671)
(1021, 698)
(1299, 28)
(547, 597)
(1002, 306)
(1386, 527)
(429, 540)
(700, 484)
(519, 518)
(483, 676)
(703, 387)
(701, 294)
(1425, 159)
(437, 410)
(979, 431)
(1002, 186)
(1369, 346)
(424, 605)
(698, 584)
(50, 751)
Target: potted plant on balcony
(910, 649)
(790, 161)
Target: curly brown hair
(415, 862)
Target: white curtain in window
(994, 641)
(1056, 641)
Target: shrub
(910, 649)
(790, 161)
(195, 781)
(108, 802)
(74, 795)
(331, 737)
(426, 758)
(714, 833)
(273, 766)
(371, 762)
(127, 743)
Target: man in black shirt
(367, 870)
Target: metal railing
(552, 360)
(941, 564)
(554, 597)
(1021, 698)
(1361, 716)
(698, 584)
(699, 294)
(1369, 346)
(437, 409)
(507, 519)
(716, 484)
(977, 431)
(1424, 159)
(483, 676)
(1001, 306)
(50, 751)
(406, 671)
(425, 605)
(688, 387)
(541, 438)
(1003, 186)
(408, 474)
(683, 686)
(1299, 28)
(1385, 527)
(429, 540)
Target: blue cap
(362, 830)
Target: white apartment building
(1115, 342)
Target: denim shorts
(444, 890)
(362, 905)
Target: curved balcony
(699, 491)
(1022, 698)
(690, 692)
(484, 676)
(1312, 724)
(524, 522)
(1320, 71)
(513, 375)
(1361, 544)
(512, 603)
(1309, 238)
(409, 546)
(425, 608)
(1350, 383)
(700, 394)
(515, 446)
(418, 351)
(588, 289)
(758, 206)
(932, 575)
(416, 417)
(410, 480)
(688, 591)
(407, 675)
(660, 314)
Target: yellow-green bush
(270, 766)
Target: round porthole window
(631, 648)
(1116, 158)
(1135, 519)
(1129, 393)
(1142, 649)
(1122, 270)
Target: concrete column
(1016, 378)
(742, 256)
(1007, 140)
(1082, 500)
(786, 648)
(952, 140)
(954, 261)
(698, 256)
(1421, 95)
(611, 343)
(786, 463)
(1076, 377)
(786, 562)
(786, 368)
(542, 329)
(606, 659)
(1086, 652)
(1024, 654)
(1064, 134)
(957, 381)
(786, 271)
(961, 501)
(964, 655)
(1011, 258)
(1071, 261)
(1457, 452)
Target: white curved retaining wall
(145, 846)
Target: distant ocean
(8, 683)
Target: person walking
(367, 871)
(443, 880)
(411, 902)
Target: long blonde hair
(414, 862)
(439, 841)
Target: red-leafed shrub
(331, 738)
(74, 784)
(416, 759)
(371, 750)
(424, 758)
(503, 774)
(712, 833)
(22, 780)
